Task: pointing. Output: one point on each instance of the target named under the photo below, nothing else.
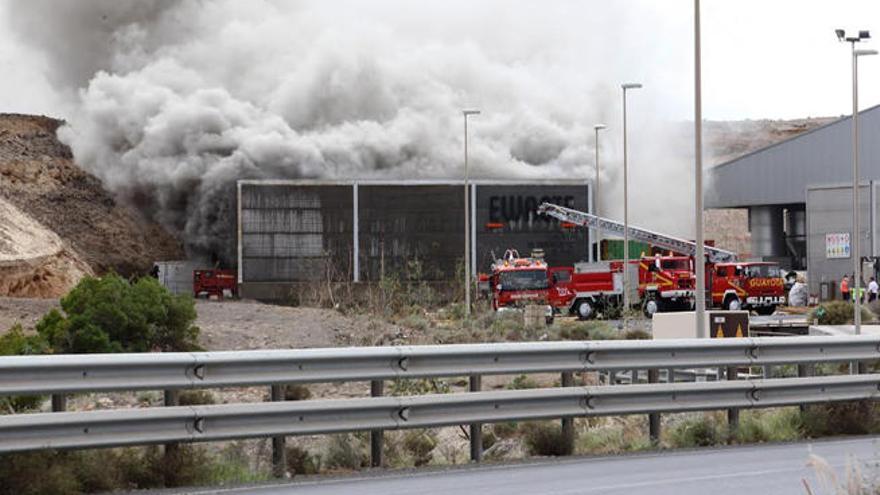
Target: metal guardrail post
(376, 436)
(59, 403)
(670, 377)
(568, 423)
(476, 383)
(171, 399)
(654, 418)
(279, 454)
(732, 413)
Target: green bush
(420, 445)
(301, 461)
(838, 313)
(109, 314)
(627, 435)
(842, 418)
(195, 398)
(522, 382)
(546, 439)
(777, 425)
(13, 343)
(506, 429)
(297, 392)
(637, 334)
(589, 330)
(347, 452)
(701, 431)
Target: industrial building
(798, 193)
(294, 231)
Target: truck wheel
(651, 306)
(765, 310)
(584, 309)
(732, 304)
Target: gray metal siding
(781, 173)
(829, 210)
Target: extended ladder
(682, 246)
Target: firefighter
(844, 288)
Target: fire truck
(516, 282)
(214, 282)
(668, 282)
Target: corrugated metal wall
(294, 232)
(829, 211)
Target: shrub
(506, 429)
(779, 425)
(195, 398)
(346, 452)
(701, 431)
(615, 436)
(637, 334)
(841, 418)
(589, 330)
(297, 392)
(301, 461)
(418, 386)
(545, 439)
(416, 322)
(16, 342)
(420, 445)
(838, 313)
(522, 382)
(109, 314)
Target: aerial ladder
(687, 248)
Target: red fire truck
(215, 282)
(516, 282)
(666, 283)
(659, 283)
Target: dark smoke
(175, 100)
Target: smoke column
(174, 100)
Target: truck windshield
(524, 280)
(675, 264)
(762, 271)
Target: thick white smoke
(175, 100)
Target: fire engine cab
(517, 282)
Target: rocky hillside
(46, 196)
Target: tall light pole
(597, 232)
(467, 223)
(856, 236)
(700, 255)
(626, 87)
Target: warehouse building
(297, 231)
(798, 193)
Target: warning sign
(733, 324)
(837, 245)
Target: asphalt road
(748, 470)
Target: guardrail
(73, 374)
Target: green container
(612, 249)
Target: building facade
(291, 232)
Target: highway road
(748, 470)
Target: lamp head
(599, 127)
(470, 112)
(631, 85)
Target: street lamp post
(467, 231)
(856, 236)
(700, 255)
(626, 87)
(597, 232)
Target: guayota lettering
(765, 282)
(514, 208)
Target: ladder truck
(733, 284)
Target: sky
(761, 59)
